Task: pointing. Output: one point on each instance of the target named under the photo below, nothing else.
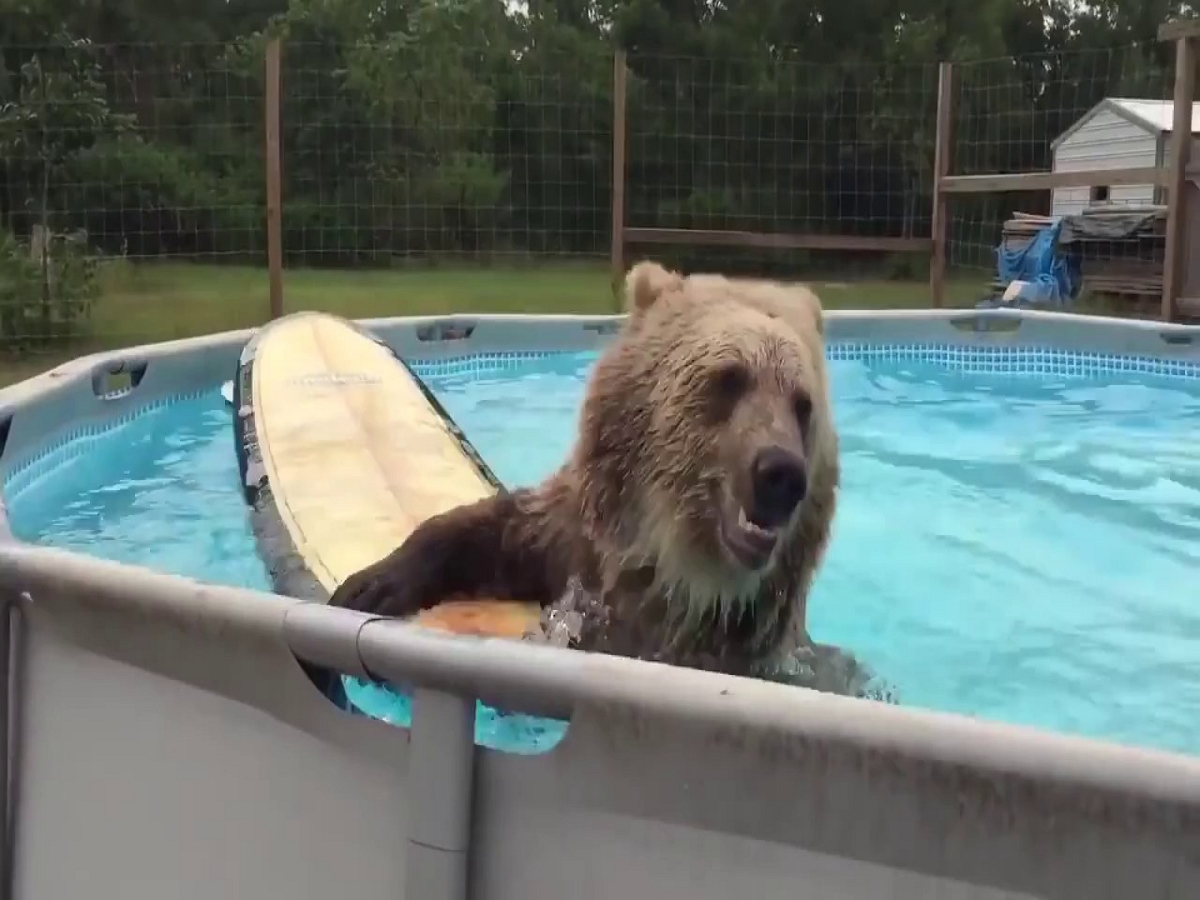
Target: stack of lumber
(1125, 267)
(1130, 267)
(1021, 228)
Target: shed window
(1100, 193)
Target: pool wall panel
(670, 783)
(165, 741)
(139, 784)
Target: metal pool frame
(163, 741)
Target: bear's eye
(802, 405)
(729, 382)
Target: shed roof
(1156, 116)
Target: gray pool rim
(909, 783)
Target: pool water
(1013, 547)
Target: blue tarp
(1053, 278)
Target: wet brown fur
(632, 511)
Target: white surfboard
(356, 454)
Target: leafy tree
(58, 112)
(420, 128)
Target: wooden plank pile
(1021, 229)
(1129, 268)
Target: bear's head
(706, 438)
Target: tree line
(483, 128)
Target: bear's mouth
(749, 544)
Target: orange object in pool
(483, 618)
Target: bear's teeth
(746, 525)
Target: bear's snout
(779, 479)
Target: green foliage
(154, 199)
(450, 128)
(58, 110)
(45, 296)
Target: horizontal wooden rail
(1042, 181)
(777, 241)
(1179, 28)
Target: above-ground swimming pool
(1015, 541)
(1017, 537)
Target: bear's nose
(780, 482)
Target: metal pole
(7, 610)
(441, 781)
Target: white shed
(1116, 133)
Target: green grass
(154, 302)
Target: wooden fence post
(1184, 35)
(274, 180)
(943, 141)
(618, 172)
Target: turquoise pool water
(1019, 547)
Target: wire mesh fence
(838, 158)
(1089, 110)
(398, 150)
(434, 173)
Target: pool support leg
(8, 703)
(441, 772)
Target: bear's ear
(646, 282)
(812, 305)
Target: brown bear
(697, 500)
